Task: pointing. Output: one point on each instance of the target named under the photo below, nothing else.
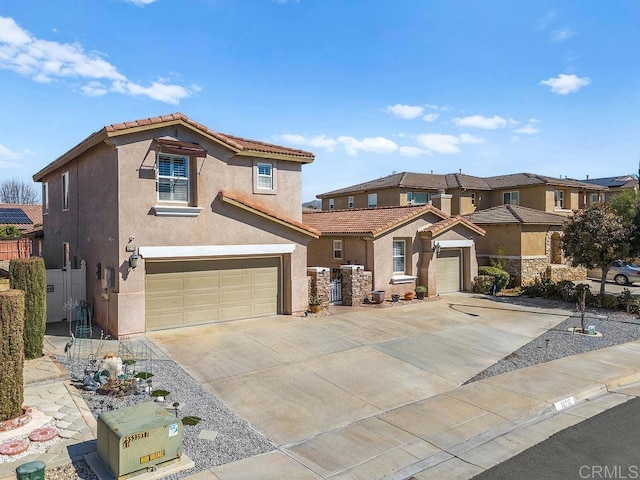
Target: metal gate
(335, 291)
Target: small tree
(29, 275)
(627, 204)
(596, 236)
(15, 190)
(11, 353)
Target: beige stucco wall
(112, 194)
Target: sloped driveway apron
(336, 393)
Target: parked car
(620, 272)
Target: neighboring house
(179, 225)
(469, 193)
(28, 219)
(614, 185)
(526, 241)
(402, 246)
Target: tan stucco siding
(507, 237)
(533, 240)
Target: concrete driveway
(336, 393)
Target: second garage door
(448, 271)
(181, 293)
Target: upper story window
(511, 198)
(173, 178)
(418, 198)
(65, 191)
(265, 176)
(337, 249)
(372, 200)
(332, 203)
(558, 198)
(473, 199)
(399, 259)
(45, 198)
(350, 201)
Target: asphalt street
(606, 446)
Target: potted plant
(314, 303)
(420, 291)
(408, 295)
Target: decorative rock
(43, 434)
(14, 447)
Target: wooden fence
(17, 248)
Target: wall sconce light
(436, 248)
(133, 260)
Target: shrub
(500, 277)
(11, 353)
(483, 284)
(29, 275)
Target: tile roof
(366, 221)
(448, 223)
(34, 212)
(452, 181)
(249, 204)
(515, 214)
(238, 144)
(623, 181)
(526, 179)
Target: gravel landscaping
(220, 437)
(616, 327)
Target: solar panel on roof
(13, 216)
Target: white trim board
(215, 250)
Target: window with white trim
(350, 201)
(372, 200)
(65, 191)
(332, 203)
(399, 259)
(558, 198)
(45, 198)
(265, 176)
(511, 198)
(173, 178)
(337, 249)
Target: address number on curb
(566, 403)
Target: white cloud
(561, 34)
(370, 145)
(407, 112)
(45, 61)
(408, 151)
(141, 3)
(564, 84)
(478, 121)
(446, 144)
(430, 117)
(527, 130)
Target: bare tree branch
(15, 190)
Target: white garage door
(448, 269)
(181, 293)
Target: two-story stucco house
(179, 224)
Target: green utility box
(31, 471)
(137, 439)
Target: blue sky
(488, 87)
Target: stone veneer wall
(356, 284)
(318, 279)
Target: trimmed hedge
(500, 277)
(30, 275)
(11, 354)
